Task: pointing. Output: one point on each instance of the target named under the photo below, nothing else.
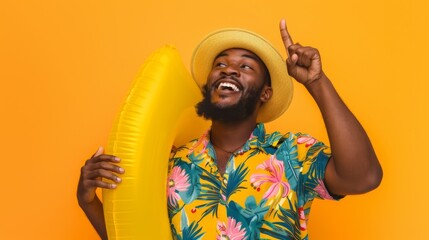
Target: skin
(97, 167)
(352, 169)
(247, 98)
(243, 68)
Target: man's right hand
(96, 168)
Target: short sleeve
(314, 156)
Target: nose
(231, 70)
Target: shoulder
(298, 138)
(301, 144)
(180, 150)
(194, 145)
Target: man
(236, 181)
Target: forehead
(239, 52)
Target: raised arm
(353, 167)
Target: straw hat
(216, 42)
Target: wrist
(84, 204)
(318, 84)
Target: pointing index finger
(287, 40)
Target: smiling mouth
(228, 86)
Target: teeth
(228, 85)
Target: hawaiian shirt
(265, 193)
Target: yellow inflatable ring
(154, 117)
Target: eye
(245, 66)
(220, 64)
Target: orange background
(66, 66)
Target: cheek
(254, 82)
(211, 78)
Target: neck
(231, 136)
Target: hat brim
(216, 42)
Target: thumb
(99, 151)
(293, 59)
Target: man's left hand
(303, 63)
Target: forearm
(94, 212)
(354, 164)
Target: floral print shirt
(266, 191)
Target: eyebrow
(244, 55)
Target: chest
(232, 187)
(222, 159)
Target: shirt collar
(257, 139)
(260, 140)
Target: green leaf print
(288, 228)
(288, 153)
(235, 179)
(251, 217)
(210, 193)
(193, 232)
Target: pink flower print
(178, 181)
(322, 191)
(202, 140)
(302, 220)
(309, 141)
(205, 143)
(251, 136)
(275, 171)
(231, 231)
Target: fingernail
(121, 170)
(118, 179)
(117, 159)
(113, 185)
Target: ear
(266, 94)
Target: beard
(237, 112)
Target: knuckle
(84, 170)
(295, 48)
(87, 184)
(99, 172)
(316, 51)
(105, 165)
(101, 184)
(308, 54)
(114, 178)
